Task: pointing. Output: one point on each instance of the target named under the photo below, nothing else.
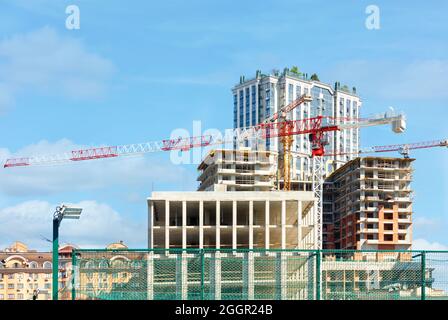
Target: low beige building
(24, 271)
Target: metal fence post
(423, 282)
(318, 273)
(201, 252)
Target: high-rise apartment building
(367, 205)
(256, 99)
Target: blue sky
(134, 73)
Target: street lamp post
(62, 212)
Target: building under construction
(232, 220)
(368, 205)
(238, 170)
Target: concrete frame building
(258, 98)
(234, 220)
(238, 170)
(368, 205)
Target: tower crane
(316, 127)
(279, 118)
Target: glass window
(298, 91)
(290, 92)
(235, 110)
(241, 108)
(247, 108)
(253, 100)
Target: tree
(295, 69)
(314, 77)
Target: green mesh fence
(259, 274)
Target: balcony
(366, 230)
(403, 199)
(371, 220)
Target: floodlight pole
(57, 218)
(69, 213)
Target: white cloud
(420, 79)
(98, 226)
(90, 175)
(6, 98)
(47, 62)
(422, 222)
(423, 244)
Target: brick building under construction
(368, 205)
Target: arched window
(118, 263)
(90, 265)
(47, 265)
(103, 264)
(34, 265)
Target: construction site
(294, 210)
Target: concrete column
(201, 224)
(217, 275)
(266, 222)
(150, 276)
(167, 224)
(280, 275)
(248, 276)
(251, 224)
(299, 225)
(283, 225)
(211, 292)
(181, 276)
(234, 240)
(150, 225)
(184, 224)
(218, 224)
(251, 276)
